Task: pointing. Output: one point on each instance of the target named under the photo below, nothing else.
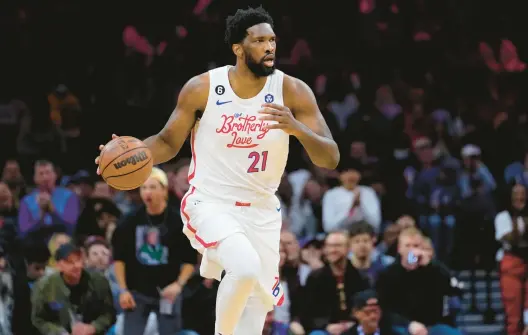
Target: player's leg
(253, 317)
(242, 266)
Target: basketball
(125, 163)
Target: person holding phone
(413, 288)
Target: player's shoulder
(195, 92)
(296, 92)
(294, 85)
(198, 84)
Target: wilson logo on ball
(139, 157)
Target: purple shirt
(66, 211)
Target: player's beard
(258, 68)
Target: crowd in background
(426, 98)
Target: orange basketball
(125, 163)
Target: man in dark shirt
(370, 319)
(329, 290)
(153, 260)
(413, 289)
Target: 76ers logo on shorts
(276, 289)
(269, 98)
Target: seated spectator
(98, 254)
(413, 289)
(363, 255)
(7, 202)
(517, 172)
(73, 300)
(511, 229)
(421, 177)
(474, 169)
(328, 290)
(370, 318)
(36, 257)
(98, 218)
(153, 260)
(27, 270)
(296, 266)
(350, 202)
(54, 244)
(389, 245)
(12, 176)
(49, 208)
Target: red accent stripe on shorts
(193, 154)
(188, 223)
(242, 204)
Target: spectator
(153, 260)
(28, 269)
(328, 290)
(49, 208)
(178, 179)
(72, 300)
(98, 254)
(438, 219)
(82, 184)
(414, 288)
(517, 172)
(54, 244)
(474, 169)
(370, 318)
(98, 218)
(7, 296)
(350, 202)
(511, 230)
(389, 245)
(295, 267)
(363, 255)
(65, 110)
(36, 256)
(12, 176)
(7, 202)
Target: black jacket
(416, 295)
(322, 300)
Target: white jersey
(234, 157)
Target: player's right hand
(101, 147)
(126, 300)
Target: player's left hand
(171, 292)
(284, 118)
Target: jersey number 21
(259, 161)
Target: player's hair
(360, 228)
(238, 24)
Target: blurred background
(426, 99)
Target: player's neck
(241, 76)
(157, 209)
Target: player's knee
(248, 269)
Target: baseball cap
(470, 150)
(66, 250)
(364, 298)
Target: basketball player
(240, 119)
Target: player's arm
(314, 134)
(166, 144)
